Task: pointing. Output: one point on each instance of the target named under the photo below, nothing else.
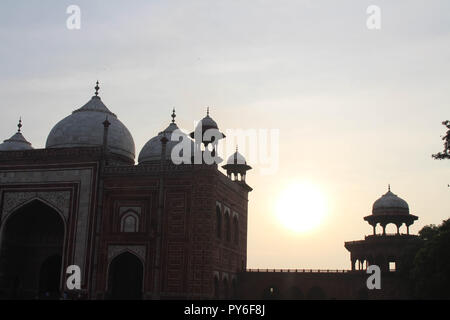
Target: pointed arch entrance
(31, 251)
(50, 275)
(125, 277)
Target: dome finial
(96, 89)
(173, 115)
(207, 111)
(19, 125)
(389, 187)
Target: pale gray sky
(356, 108)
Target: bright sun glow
(301, 207)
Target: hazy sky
(356, 108)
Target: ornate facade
(154, 230)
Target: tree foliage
(446, 153)
(430, 273)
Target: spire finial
(207, 111)
(19, 125)
(173, 115)
(237, 148)
(96, 89)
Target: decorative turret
(236, 167)
(207, 125)
(390, 209)
(384, 250)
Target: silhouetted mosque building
(154, 230)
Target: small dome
(16, 142)
(204, 125)
(153, 148)
(390, 203)
(84, 128)
(236, 164)
(236, 158)
(207, 123)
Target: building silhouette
(387, 251)
(156, 229)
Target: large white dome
(84, 128)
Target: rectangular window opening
(392, 266)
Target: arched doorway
(216, 288)
(49, 277)
(234, 289)
(226, 294)
(31, 252)
(126, 277)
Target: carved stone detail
(137, 210)
(115, 250)
(60, 200)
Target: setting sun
(301, 207)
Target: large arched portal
(49, 277)
(31, 253)
(126, 277)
